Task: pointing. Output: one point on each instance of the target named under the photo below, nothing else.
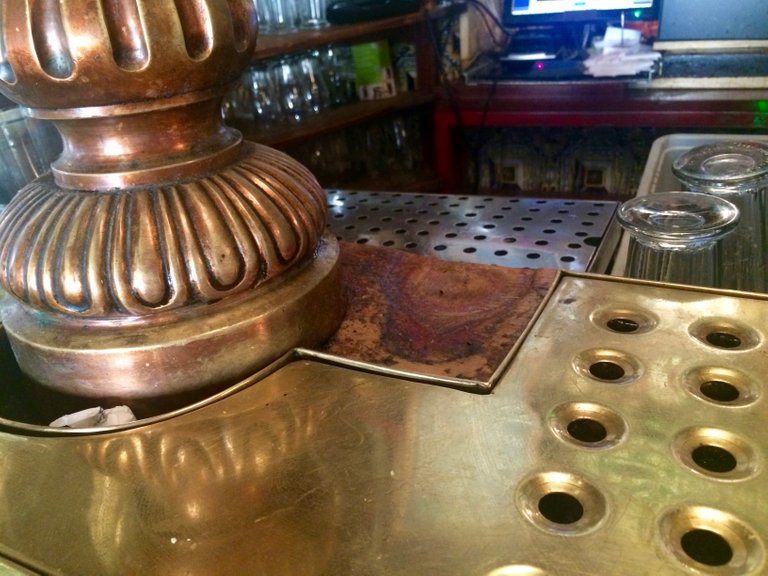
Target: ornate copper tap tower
(163, 257)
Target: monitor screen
(530, 12)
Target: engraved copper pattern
(76, 53)
(163, 256)
(95, 254)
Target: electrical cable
(482, 7)
(471, 144)
(486, 14)
(445, 81)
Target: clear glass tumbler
(295, 98)
(312, 13)
(281, 15)
(736, 171)
(316, 87)
(266, 95)
(674, 236)
(27, 148)
(338, 69)
(264, 14)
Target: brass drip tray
(626, 437)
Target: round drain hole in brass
(716, 453)
(607, 370)
(719, 391)
(714, 459)
(723, 340)
(606, 365)
(710, 541)
(621, 324)
(707, 547)
(588, 425)
(517, 570)
(561, 508)
(624, 320)
(561, 503)
(587, 430)
(724, 334)
(721, 386)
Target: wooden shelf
(271, 45)
(585, 103)
(414, 28)
(331, 120)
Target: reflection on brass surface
(318, 469)
(162, 256)
(179, 357)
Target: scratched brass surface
(321, 469)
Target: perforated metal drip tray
(512, 232)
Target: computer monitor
(564, 28)
(521, 13)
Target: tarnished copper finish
(132, 85)
(140, 267)
(159, 248)
(155, 363)
(70, 54)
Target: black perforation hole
(561, 508)
(707, 547)
(606, 370)
(723, 340)
(623, 325)
(714, 459)
(587, 430)
(719, 391)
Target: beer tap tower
(163, 257)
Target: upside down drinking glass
(736, 171)
(312, 13)
(674, 236)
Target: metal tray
(504, 231)
(626, 438)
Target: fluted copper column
(163, 257)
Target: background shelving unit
(412, 28)
(331, 120)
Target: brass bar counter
(617, 427)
